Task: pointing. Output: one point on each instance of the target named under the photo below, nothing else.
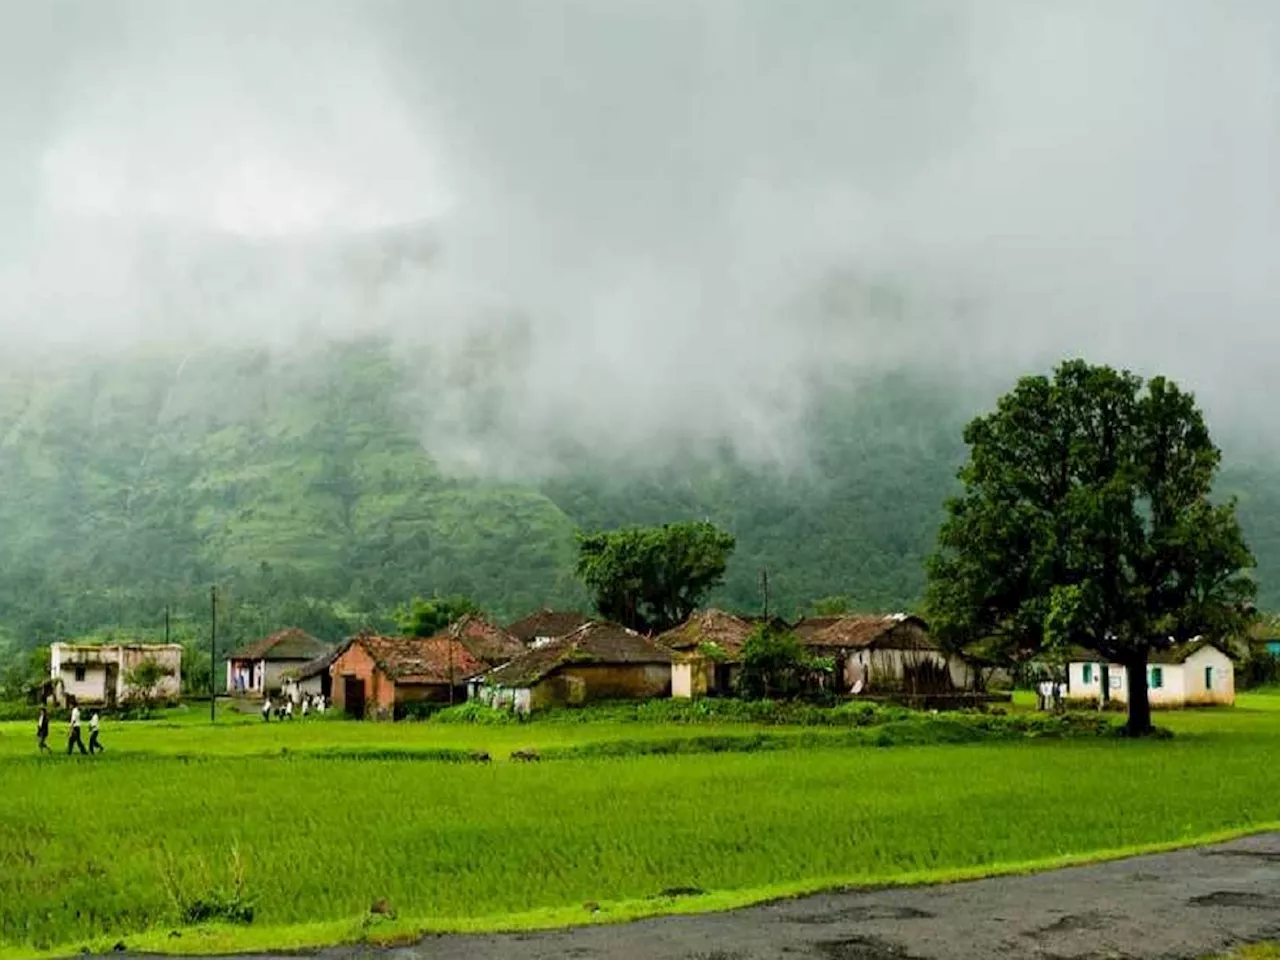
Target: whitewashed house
(1198, 673)
(97, 673)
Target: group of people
(74, 738)
(1050, 695)
(284, 709)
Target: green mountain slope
(301, 488)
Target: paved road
(1175, 905)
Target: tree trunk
(1139, 702)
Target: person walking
(95, 745)
(266, 709)
(288, 709)
(42, 731)
(306, 705)
(73, 739)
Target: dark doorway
(353, 696)
(1106, 684)
(113, 679)
(723, 679)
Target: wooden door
(353, 696)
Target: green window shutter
(1088, 673)
(1157, 678)
(1208, 678)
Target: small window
(1208, 678)
(79, 673)
(1088, 673)
(1157, 678)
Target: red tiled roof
(422, 659)
(595, 642)
(546, 623)
(288, 644)
(484, 641)
(873, 631)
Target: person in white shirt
(306, 705)
(73, 740)
(266, 709)
(95, 746)
(288, 709)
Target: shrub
(477, 713)
(774, 664)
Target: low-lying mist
(649, 226)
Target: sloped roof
(867, 632)
(421, 659)
(806, 627)
(595, 642)
(288, 644)
(725, 630)
(1170, 656)
(546, 623)
(485, 641)
(317, 665)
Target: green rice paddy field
(149, 843)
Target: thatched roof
(546, 623)
(724, 630)
(594, 643)
(896, 631)
(288, 644)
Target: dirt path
(1183, 904)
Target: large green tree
(1086, 519)
(652, 578)
(426, 618)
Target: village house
(708, 653)
(545, 625)
(312, 679)
(377, 677)
(258, 669)
(882, 653)
(487, 642)
(597, 661)
(98, 673)
(1197, 673)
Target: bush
(477, 713)
(417, 710)
(727, 710)
(774, 664)
(1258, 669)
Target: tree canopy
(652, 578)
(1086, 519)
(426, 618)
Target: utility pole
(764, 590)
(449, 641)
(213, 653)
(166, 624)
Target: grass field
(120, 846)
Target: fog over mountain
(646, 225)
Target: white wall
(1181, 683)
(1223, 687)
(92, 689)
(682, 680)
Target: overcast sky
(653, 220)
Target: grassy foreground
(176, 818)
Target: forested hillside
(302, 489)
